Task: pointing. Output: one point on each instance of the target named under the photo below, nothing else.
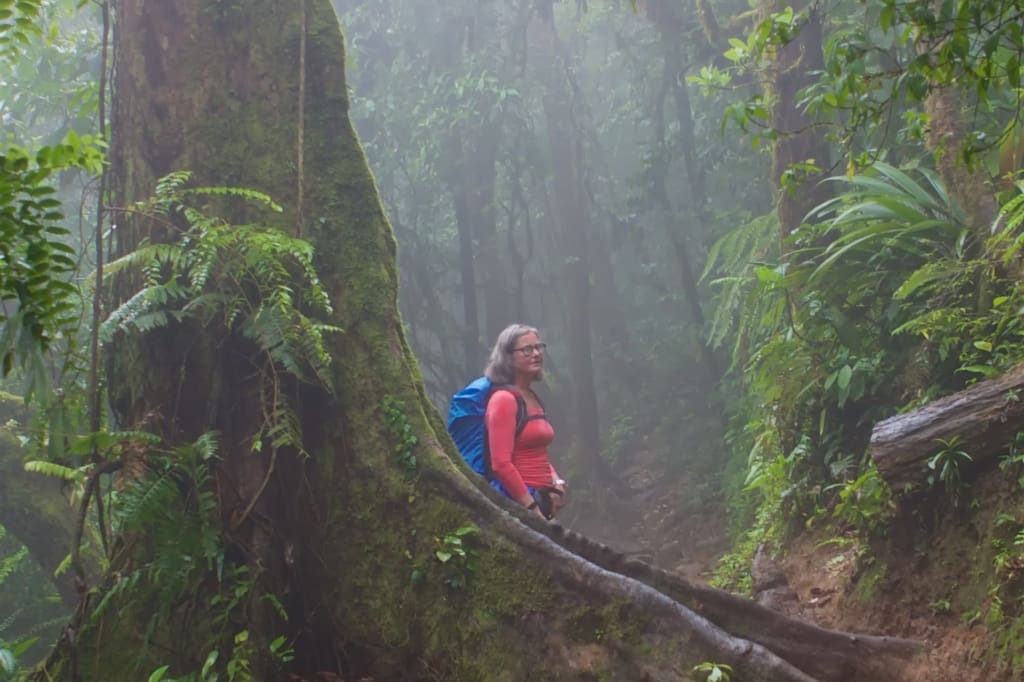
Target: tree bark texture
(984, 419)
(799, 141)
(341, 544)
(947, 139)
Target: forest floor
(930, 576)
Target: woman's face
(528, 356)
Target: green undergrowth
(952, 563)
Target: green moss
(611, 622)
(870, 580)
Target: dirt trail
(660, 523)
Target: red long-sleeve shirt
(523, 461)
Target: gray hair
(500, 369)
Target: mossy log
(342, 542)
(981, 420)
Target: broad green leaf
(7, 661)
(159, 673)
(843, 379)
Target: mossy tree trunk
(967, 182)
(800, 157)
(342, 545)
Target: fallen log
(982, 420)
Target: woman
(520, 463)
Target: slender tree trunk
(479, 183)
(467, 262)
(573, 217)
(947, 139)
(672, 83)
(968, 185)
(799, 142)
(471, 185)
(346, 545)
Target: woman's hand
(557, 500)
(531, 505)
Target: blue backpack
(466, 423)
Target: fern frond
(120, 318)
(45, 625)
(127, 435)
(323, 329)
(9, 620)
(284, 429)
(205, 447)
(145, 256)
(10, 564)
(930, 273)
(123, 585)
(148, 498)
(244, 193)
(753, 242)
(63, 566)
(736, 255)
(54, 470)
(171, 183)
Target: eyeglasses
(532, 349)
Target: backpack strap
(522, 417)
(522, 412)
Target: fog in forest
(774, 253)
(550, 164)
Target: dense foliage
(746, 356)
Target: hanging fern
(10, 564)
(148, 498)
(54, 470)
(175, 504)
(1006, 229)
(249, 280)
(742, 307)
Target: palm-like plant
(885, 227)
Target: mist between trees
(747, 233)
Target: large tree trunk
(982, 421)
(346, 540)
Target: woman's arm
(500, 419)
